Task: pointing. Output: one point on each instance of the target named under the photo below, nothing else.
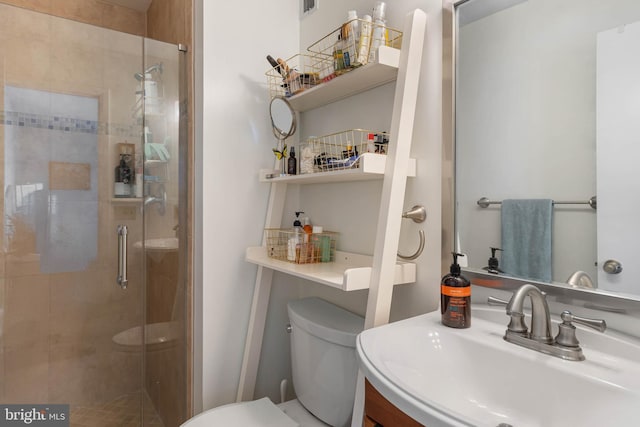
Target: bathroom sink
(442, 376)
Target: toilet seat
(257, 413)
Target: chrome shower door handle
(122, 256)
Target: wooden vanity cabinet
(379, 412)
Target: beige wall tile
(92, 12)
(123, 19)
(165, 21)
(22, 264)
(21, 23)
(38, 5)
(77, 63)
(2, 275)
(26, 315)
(27, 63)
(69, 176)
(26, 373)
(87, 11)
(66, 32)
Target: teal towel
(526, 238)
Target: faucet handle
(597, 324)
(497, 301)
(517, 324)
(567, 332)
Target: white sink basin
(442, 376)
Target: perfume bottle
(292, 163)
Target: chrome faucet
(540, 318)
(160, 200)
(580, 279)
(565, 345)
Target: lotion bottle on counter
(455, 297)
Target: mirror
(546, 103)
(283, 123)
(283, 118)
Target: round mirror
(283, 118)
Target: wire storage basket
(341, 150)
(300, 72)
(353, 44)
(301, 248)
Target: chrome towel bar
(592, 202)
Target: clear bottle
(351, 37)
(371, 146)
(455, 297)
(306, 251)
(379, 35)
(365, 40)
(338, 56)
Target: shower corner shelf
(126, 200)
(375, 74)
(350, 272)
(372, 167)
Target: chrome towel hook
(417, 214)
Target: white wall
(525, 116)
(233, 141)
(352, 208)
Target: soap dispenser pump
(493, 264)
(455, 299)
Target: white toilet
(324, 369)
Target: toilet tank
(323, 358)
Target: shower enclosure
(92, 291)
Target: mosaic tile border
(67, 124)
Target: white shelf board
(350, 272)
(372, 167)
(348, 84)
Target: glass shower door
(70, 335)
(165, 355)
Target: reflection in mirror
(546, 112)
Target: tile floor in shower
(124, 411)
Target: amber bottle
(455, 297)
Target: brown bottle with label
(455, 297)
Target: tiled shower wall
(94, 12)
(75, 314)
(57, 329)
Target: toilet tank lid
(325, 320)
